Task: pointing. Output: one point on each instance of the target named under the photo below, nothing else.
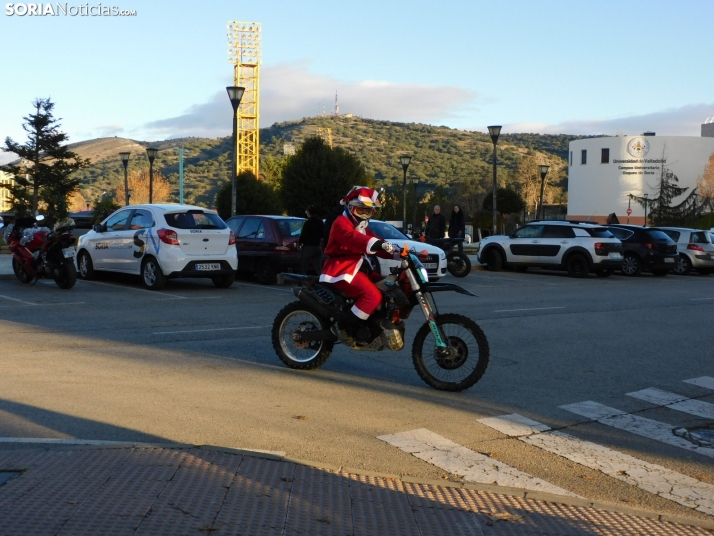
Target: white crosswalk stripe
(704, 381)
(647, 476)
(635, 424)
(675, 402)
(459, 460)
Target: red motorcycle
(42, 252)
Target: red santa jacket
(346, 248)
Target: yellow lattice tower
(244, 54)
(325, 134)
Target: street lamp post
(151, 153)
(404, 159)
(646, 210)
(543, 172)
(629, 210)
(494, 131)
(125, 163)
(415, 181)
(235, 94)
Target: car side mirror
(512, 234)
(98, 228)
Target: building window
(584, 156)
(571, 158)
(605, 156)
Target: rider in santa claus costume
(348, 267)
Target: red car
(267, 245)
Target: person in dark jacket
(437, 224)
(310, 238)
(457, 224)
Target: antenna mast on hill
(337, 108)
(244, 53)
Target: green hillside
(442, 157)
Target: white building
(603, 172)
(5, 197)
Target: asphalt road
(108, 360)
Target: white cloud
(684, 121)
(292, 92)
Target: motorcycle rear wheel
(458, 264)
(67, 276)
(20, 273)
(307, 355)
(460, 367)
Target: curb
(489, 488)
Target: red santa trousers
(366, 294)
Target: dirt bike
(457, 262)
(41, 252)
(450, 351)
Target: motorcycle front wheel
(458, 264)
(20, 273)
(66, 275)
(301, 355)
(457, 367)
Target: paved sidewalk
(183, 490)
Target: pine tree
(44, 172)
(320, 175)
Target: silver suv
(695, 250)
(576, 247)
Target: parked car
(160, 241)
(645, 249)
(695, 248)
(576, 247)
(435, 264)
(267, 245)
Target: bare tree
(139, 188)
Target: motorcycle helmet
(362, 203)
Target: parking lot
(109, 360)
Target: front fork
(429, 310)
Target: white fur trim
(359, 313)
(371, 242)
(324, 278)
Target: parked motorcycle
(450, 351)
(457, 262)
(39, 252)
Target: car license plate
(69, 253)
(615, 255)
(208, 266)
(669, 259)
(431, 266)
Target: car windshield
(194, 219)
(290, 227)
(600, 232)
(386, 231)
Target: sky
(588, 67)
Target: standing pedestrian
(310, 237)
(436, 228)
(457, 225)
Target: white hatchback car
(161, 241)
(436, 261)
